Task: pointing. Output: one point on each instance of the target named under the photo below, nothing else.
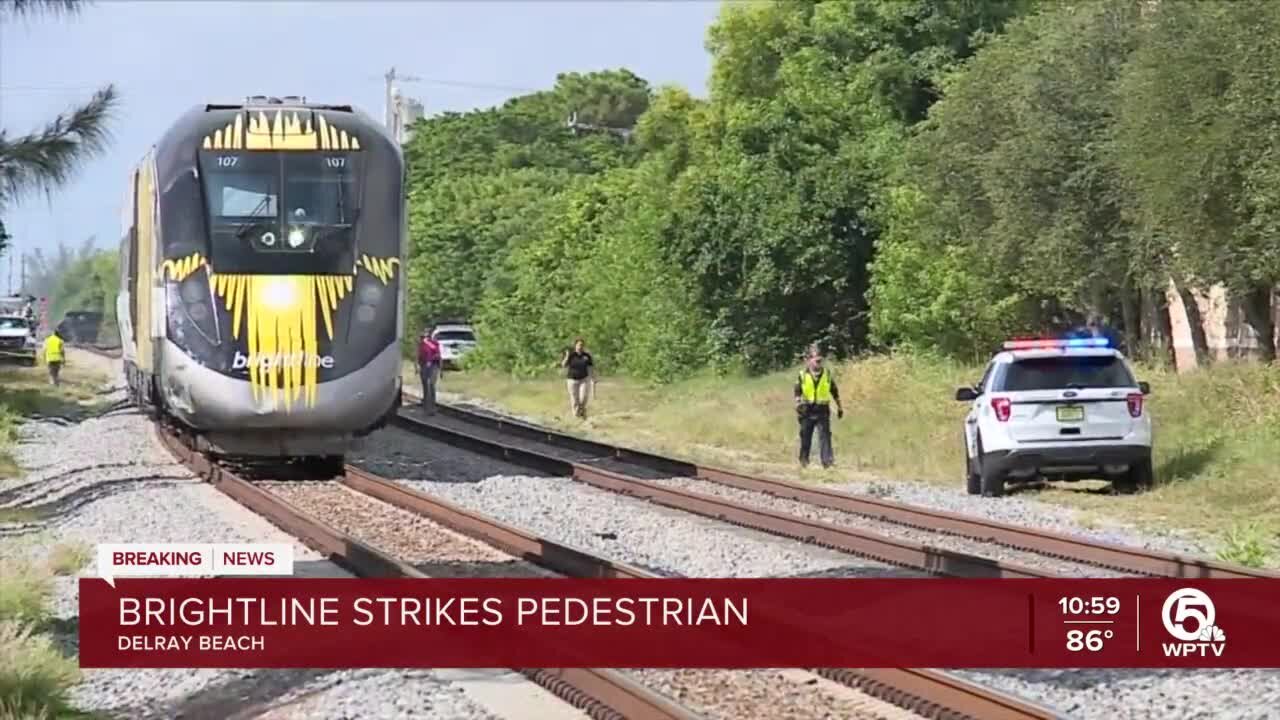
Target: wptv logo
(1188, 615)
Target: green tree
(811, 104)
(596, 269)
(46, 159)
(1017, 215)
(1197, 137)
(482, 183)
(44, 272)
(462, 229)
(90, 283)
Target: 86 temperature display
(1089, 611)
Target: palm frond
(45, 160)
(35, 8)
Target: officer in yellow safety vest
(54, 356)
(815, 391)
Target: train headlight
(268, 239)
(296, 238)
(279, 293)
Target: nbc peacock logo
(1189, 616)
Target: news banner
(239, 606)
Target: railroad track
(623, 470)
(878, 693)
(600, 693)
(826, 515)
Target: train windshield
(282, 213)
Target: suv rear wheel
(1141, 476)
(992, 479)
(973, 469)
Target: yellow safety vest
(53, 349)
(820, 394)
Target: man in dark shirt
(580, 375)
(815, 391)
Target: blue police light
(1050, 343)
(1088, 342)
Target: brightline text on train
(267, 362)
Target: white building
(405, 111)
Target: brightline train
(262, 295)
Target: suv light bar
(1050, 343)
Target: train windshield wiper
(248, 225)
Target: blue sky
(168, 56)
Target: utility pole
(392, 115)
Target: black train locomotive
(262, 295)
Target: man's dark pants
(816, 417)
(429, 374)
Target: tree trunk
(1158, 326)
(1129, 314)
(1257, 312)
(1195, 323)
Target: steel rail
(1130, 559)
(903, 553)
(930, 693)
(602, 694)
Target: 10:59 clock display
(1089, 606)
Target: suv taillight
(1135, 404)
(1002, 406)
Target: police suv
(1059, 410)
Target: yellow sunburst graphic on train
(281, 131)
(280, 317)
(283, 314)
(181, 269)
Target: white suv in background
(1057, 409)
(456, 340)
(17, 339)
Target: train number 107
(336, 162)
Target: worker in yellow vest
(54, 355)
(815, 392)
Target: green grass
(1217, 434)
(26, 392)
(24, 593)
(69, 558)
(35, 675)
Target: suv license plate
(1070, 413)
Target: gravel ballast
(429, 547)
(441, 552)
(1035, 513)
(1009, 509)
(653, 537)
(888, 529)
(668, 541)
(792, 695)
(108, 479)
